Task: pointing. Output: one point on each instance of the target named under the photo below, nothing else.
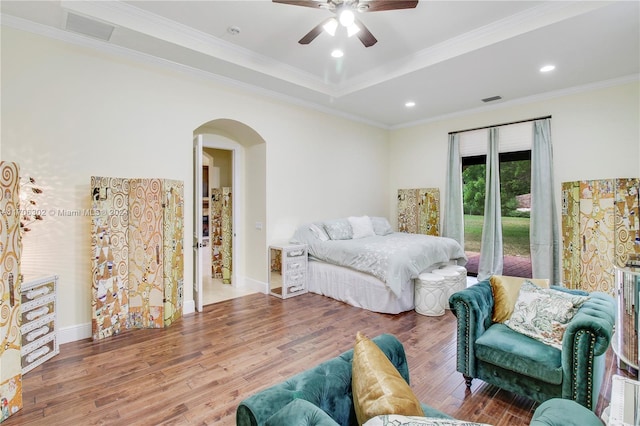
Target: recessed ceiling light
(409, 104)
(547, 68)
(337, 53)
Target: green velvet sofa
(494, 353)
(321, 396)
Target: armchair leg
(467, 380)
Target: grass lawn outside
(515, 235)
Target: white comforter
(393, 258)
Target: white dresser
(39, 321)
(287, 270)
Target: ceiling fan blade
(381, 5)
(365, 35)
(306, 3)
(315, 32)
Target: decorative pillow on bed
(319, 232)
(543, 313)
(377, 386)
(381, 226)
(361, 226)
(338, 229)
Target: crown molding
(124, 15)
(111, 49)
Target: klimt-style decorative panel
(173, 249)
(109, 245)
(138, 270)
(10, 249)
(419, 211)
(221, 234)
(600, 230)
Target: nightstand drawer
(38, 292)
(38, 352)
(36, 329)
(38, 309)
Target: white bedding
(393, 259)
(357, 288)
(374, 272)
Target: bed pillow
(319, 232)
(377, 386)
(338, 229)
(543, 313)
(397, 420)
(505, 291)
(361, 226)
(309, 233)
(381, 226)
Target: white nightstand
(287, 270)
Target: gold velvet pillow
(377, 386)
(505, 291)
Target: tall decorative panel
(173, 250)
(571, 247)
(419, 211)
(109, 245)
(10, 248)
(600, 229)
(146, 247)
(221, 234)
(138, 266)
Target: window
(515, 195)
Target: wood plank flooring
(198, 370)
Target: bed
(362, 262)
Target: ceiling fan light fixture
(347, 18)
(331, 26)
(337, 53)
(352, 30)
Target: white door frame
(197, 222)
(237, 206)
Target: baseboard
(83, 331)
(74, 333)
(255, 285)
(188, 307)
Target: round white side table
(430, 295)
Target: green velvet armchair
(494, 353)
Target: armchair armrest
(473, 307)
(584, 345)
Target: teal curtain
(453, 223)
(544, 232)
(491, 255)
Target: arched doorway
(248, 246)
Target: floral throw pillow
(338, 229)
(543, 313)
(399, 420)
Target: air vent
(492, 98)
(89, 27)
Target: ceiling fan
(345, 16)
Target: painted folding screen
(138, 270)
(599, 230)
(10, 249)
(221, 234)
(419, 211)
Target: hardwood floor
(198, 370)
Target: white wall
(595, 135)
(69, 112)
